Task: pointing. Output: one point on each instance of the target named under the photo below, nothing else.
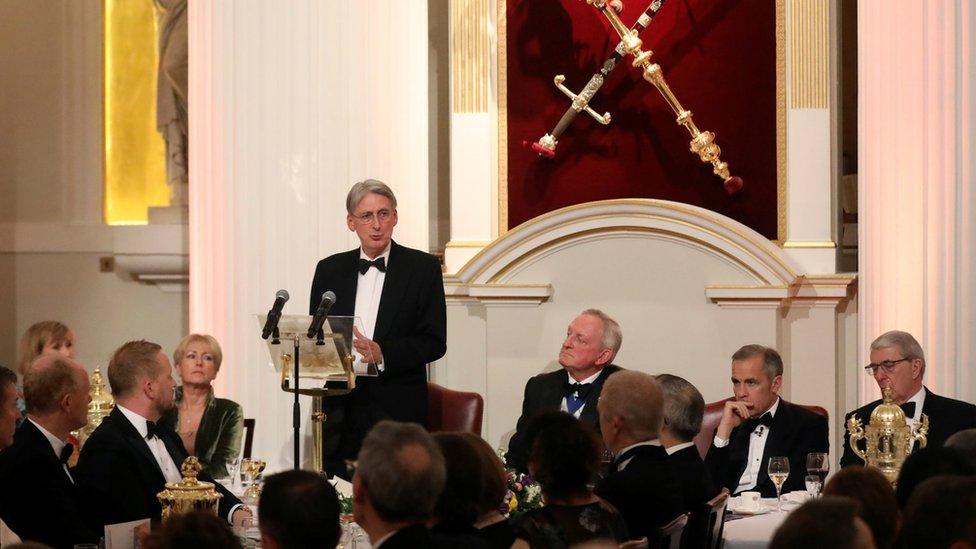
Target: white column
(917, 236)
(291, 102)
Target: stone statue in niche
(172, 118)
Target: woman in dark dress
(564, 460)
(492, 525)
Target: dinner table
(754, 529)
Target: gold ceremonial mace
(702, 143)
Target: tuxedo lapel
(40, 446)
(394, 285)
(136, 442)
(346, 284)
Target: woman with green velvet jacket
(210, 427)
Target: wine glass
(233, 472)
(814, 484)
(818, 464)
(778, 470)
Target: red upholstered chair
(449, 410)
(713, 415)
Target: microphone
(328, 299)
(274, 314)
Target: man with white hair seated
(898, 363)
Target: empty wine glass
(818, 464)
(233, 472)
(778, 470)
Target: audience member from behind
(194, 530)
(48, 336)
(941, 514)
(564, 458)
(298, 509)
(870, 488)
(684, 409)
(964, 442)
(492, 525)
(9, 414)
(758, 424)
(210, 427)
(46, 504)
(926, 463)
(130, 458)
(399, 476)
(640, 483)
(592, 341)
(898, 363)
(457, 507)
(830, 521)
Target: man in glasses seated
(897, 362)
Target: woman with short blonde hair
(210, 427)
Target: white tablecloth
(756, 531)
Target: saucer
(734, 507)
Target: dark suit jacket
(418, 536)
(646, 491)
(119, 476)
(946, 417)
(37, 499)
(411, 330)
(696, 482)
(795, 432)
(546, 392)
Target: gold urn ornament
(189, 494)
(887, 437)
(100, 406)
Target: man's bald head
(48, 379)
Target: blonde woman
(210, 427)
(43, 337)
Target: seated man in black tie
(129, 459)
(757, 424)
(640, 483)
(684, 409)
(897, 362)
(39, 500)
(592, 341)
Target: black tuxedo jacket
(696, 482)
(546, 392)
(119, 477)
(411, 330)
(646, 492)
(38, 500)
(795, 432)
(946, 417)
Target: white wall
(51, 236)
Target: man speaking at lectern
(398, 294)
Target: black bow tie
(66, 453)
(909, 409)
(753, 422)
(580, 390)
(152, 430)
(365, 264)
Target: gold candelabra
(702, 143)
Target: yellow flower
(512, 503)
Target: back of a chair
(669, 536)
(705, 526)
(248, 437)
(713, 415)
(449, 410)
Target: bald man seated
(40, 500)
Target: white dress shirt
(158, 449)
(757, 444)
(369, 290)
(919, 399)
(679, 447)
(56, 444)
(563, 406)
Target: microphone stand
(296, 413)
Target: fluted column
(290, 103)
(917, 242)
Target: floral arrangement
(524, 493)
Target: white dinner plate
(735, 507)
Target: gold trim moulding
(467, 244)
(809, 244)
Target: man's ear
(65, 401)
(604, 358)
(777, 384)
(351, 223)
(358, 489)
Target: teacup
(749, 501)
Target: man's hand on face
(735, 412)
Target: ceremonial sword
(546, 145)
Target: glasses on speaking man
(366, 218)
(886, 366)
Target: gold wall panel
(470, 61)
(135, 155)
(809, 33)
